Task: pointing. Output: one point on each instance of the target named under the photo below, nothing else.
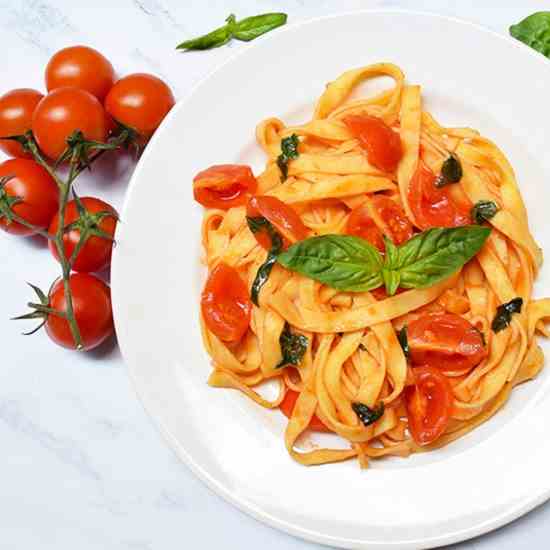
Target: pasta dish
(380, 269)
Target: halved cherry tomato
(282, 216)
(390, 219)
(362, 225)
(392, 216)
(381, 143)
(225, 304)
(445, 341)
(433, 206)
(224, 186)
(287, 406)
(16, 109)
(429, 403)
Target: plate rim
(522, 507)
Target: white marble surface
(81, 465)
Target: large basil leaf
(340, 261)
(534, 31)
(434, 255)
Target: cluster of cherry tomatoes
(82, 95)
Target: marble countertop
(82, 466)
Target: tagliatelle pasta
(354, 377)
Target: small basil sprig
(504, 312)
(483, 211)
(451, 171)
(352, 264)
(262, 275)
(245, 29)
(289, 151)
(367, 415)
(534, 31)
(293, 347)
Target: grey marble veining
(82, 467)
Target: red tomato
(36, 189)
(62, 112)
(393, 218)
(287, 406)
(92, 309)
(433, 206)
(429, 404)
(16, 109)
(140, 101)
(224, 186)
(225, 304)
(362, 225)
(445, 341)
(81, 67)
(283, 217)
(380, 142)
(95, 255)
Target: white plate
(470, 77)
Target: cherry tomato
(362, 225)
(62, 112)
(429, 405)
(81, 67)
(36, 189)
(224, 186)
(283, 218)
(380, 142)
(287, 406)
(95, 255)
(16, 109)
(225, 304)
(140, 101)
(433, 206)
(92, 309)
(445, 341)
(393, 218)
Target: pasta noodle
(353, 352)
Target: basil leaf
(367, 415)
(344, 262)
(293, 347)
(289, 146)
(403, 340)
(483, 211)
(504, 312)
(451, 171)
(246, 29)
(252, 27)
(534, 31)
(262, 275)
(434, 255)
(213, 39)
(289, 150)
(282, 163)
